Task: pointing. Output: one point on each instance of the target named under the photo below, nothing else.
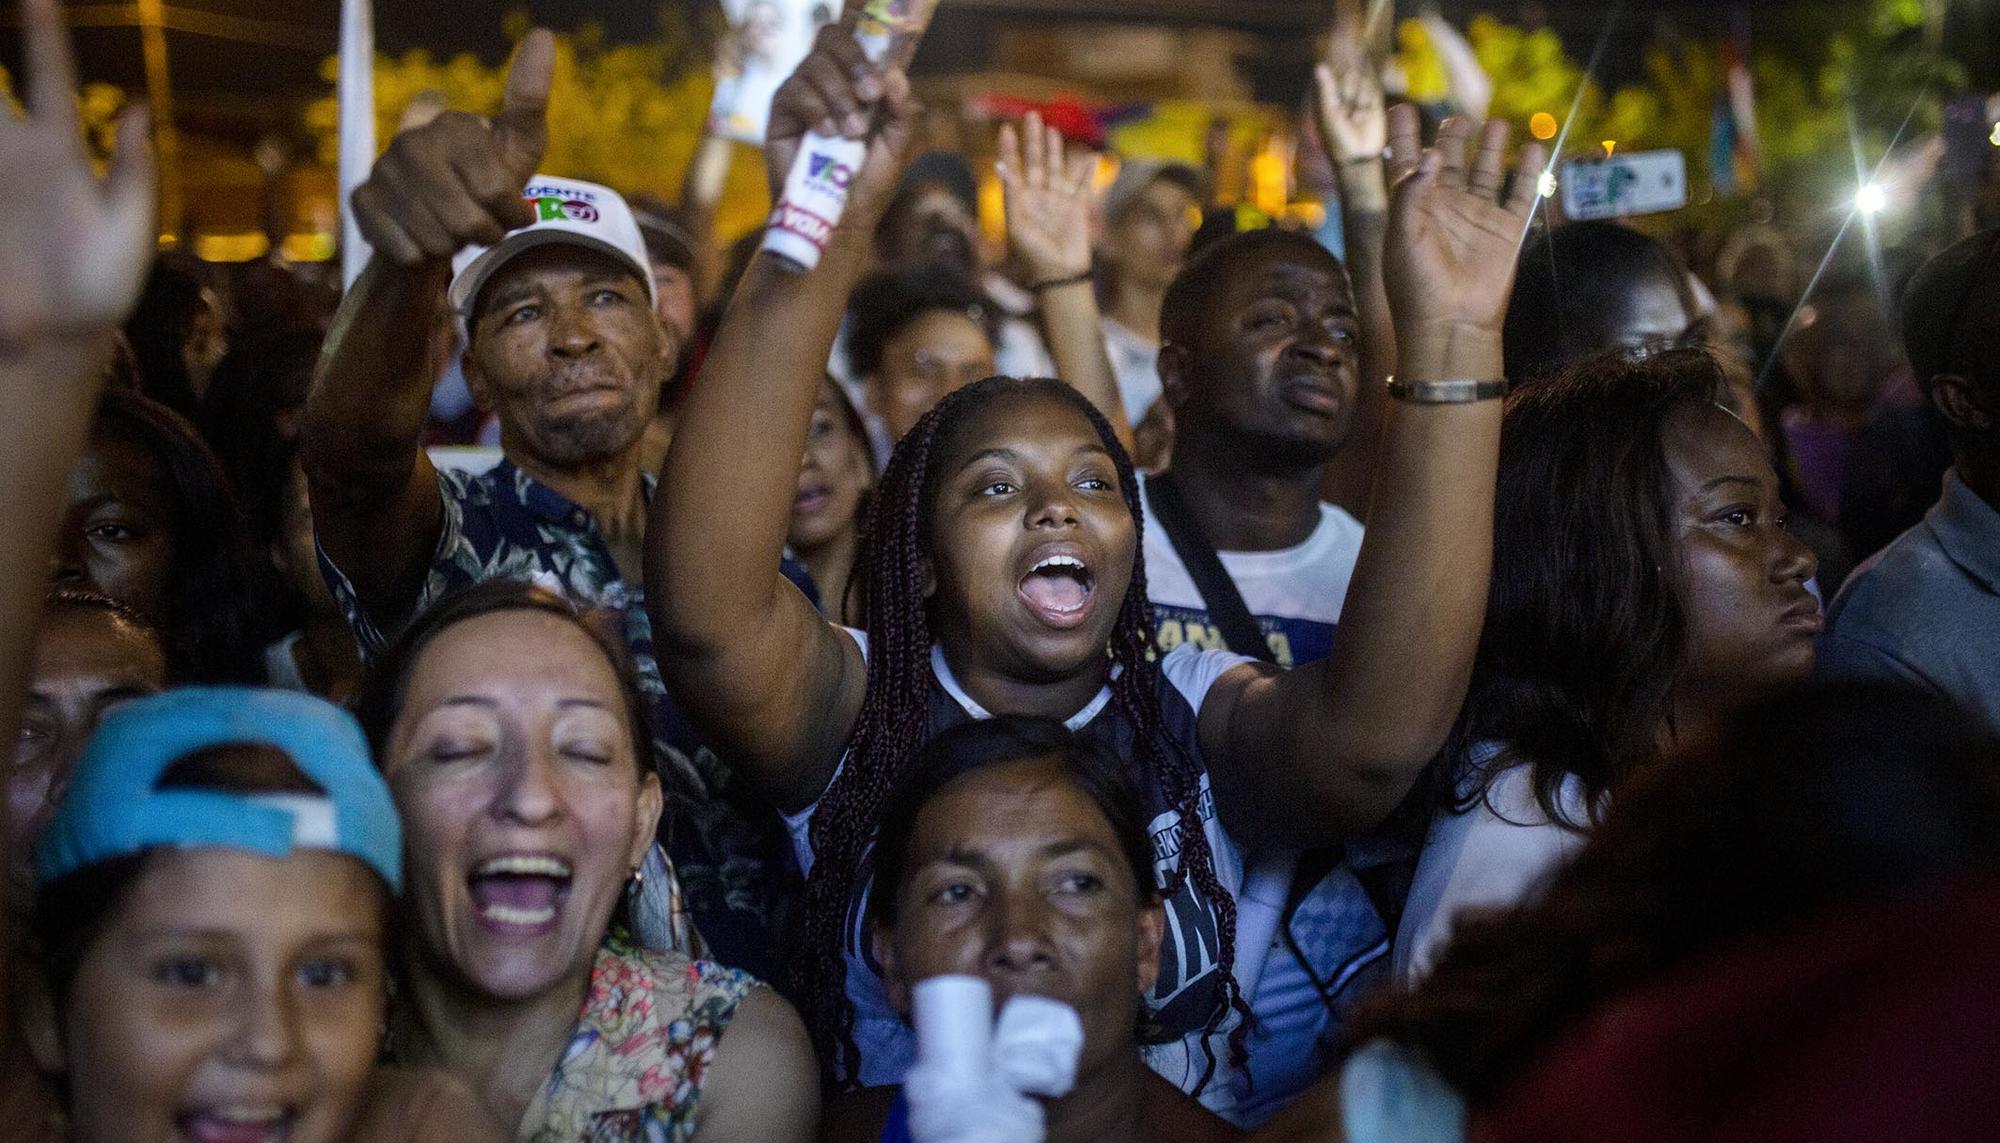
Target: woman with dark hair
(1787, 935)
(152, 523)
(1644, 585)
(512, 733)
(1002, 575)
(1015, 851)
(835, 478)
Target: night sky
(233, 79)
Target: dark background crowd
(1057, 651)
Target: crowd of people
(1471, 679)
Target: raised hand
(73, 249)
(457, 180)
(1048, 200)
(1348, 104)
(1455, 230)
(837, 91)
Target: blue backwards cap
(114, 806)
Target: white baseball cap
(566, 210)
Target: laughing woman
(1001, 575)
(509, 729)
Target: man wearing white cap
(550, 281)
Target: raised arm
(1352, 118)
(73, 254)
(1048, 227)
(1303, 756)
(770, 683)
(453, 182)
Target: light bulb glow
(1546, 185)
(1870, 199)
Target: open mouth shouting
(812, 498)
(1058, 587)
(238, 1123)
(520, 894)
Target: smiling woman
(510, 729)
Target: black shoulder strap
(1225, 603)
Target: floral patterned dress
(642, 1046)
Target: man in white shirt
(1260, 369)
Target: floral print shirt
(634, 1067)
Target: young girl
(1002, 576)
(211, 912)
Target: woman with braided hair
(1002, 575)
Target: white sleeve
(799, 825)
(1194, 671)
(1494, 856)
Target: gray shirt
(1925, 611)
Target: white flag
(357, 124)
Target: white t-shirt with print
(1295, 593)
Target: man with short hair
(1925, 611)
(1261, 368)
(549, 279)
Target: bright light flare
(1871, 199)
(1546, 185)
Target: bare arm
(455, 181)
(764, 1084)
(73, 255)
(701, 191)
(773, 685)
(1048, 227)
(1332, 747)
(1353, 123)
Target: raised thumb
(521, 130)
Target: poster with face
(766, 41)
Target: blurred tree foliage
(1831, 90)
(628, 115)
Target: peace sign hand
(73, 249)
(1454, 234)
(1048, 200)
